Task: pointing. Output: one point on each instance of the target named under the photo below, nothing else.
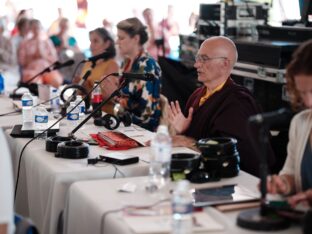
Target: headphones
(78, 87)
(111, 122)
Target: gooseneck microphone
(58, 65)
(115, 93)
(71, 134)
(104, 55)
(269, 118)
(136, 76)
(265, 217)
(33, 87)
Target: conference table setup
(44, 179)
(104, 206)
(78, 196)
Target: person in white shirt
(6, 188)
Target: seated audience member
(37, 53)
(23, 32)
(296, 175)
(152, 28)
(6, 189)
(67, 48)
(140, 98)
(6, 48)
(100, 42)
(220, 108)
(168, 28)
(62, 40)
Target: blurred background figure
(22, 14)
(37, 53)
(8, 65)
(193, 23)
(108, 25)
(54, 27)
(100, 42)
(23, 26)
(6, 48)
(168, 29)
(62, 40)
(140, 98)
(66, 47)
(151, 46)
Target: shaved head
(215, 61)
(222, 47)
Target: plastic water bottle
(159, 170)
(72, 115)
(55, 103)
(27, 112)
(41, 122)
(81, 107)
(1, 83)
(182, 209)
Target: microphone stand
(27, 83)
(40, 134)
(73, 96)
(265, 217)
(115, 93)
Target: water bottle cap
(183, 185)
(163, 129)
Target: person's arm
(302, 197)
(281, 184)
(47, 51)
(3, 228)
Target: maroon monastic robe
(226, 114)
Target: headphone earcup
(126, 119)
(110, 122)
(81, 89)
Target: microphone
(279, 116)
(136, 76)
(93, 59)
(58, 65)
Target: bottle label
(73, 116)
(27, 102)
(96, 98)
(82, 109)
(41, 118)
(162, 153)
(180, 208)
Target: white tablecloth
(88, 201)
(8, 121)
(44, 180)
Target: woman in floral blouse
(140, 98)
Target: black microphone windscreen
(275, 117)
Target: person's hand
(180, 140)
(302, 197)
(278, 185)
(177, 119)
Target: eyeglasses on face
(204, 58)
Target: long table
(92, 206)
(8, 121)
(44, 180)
